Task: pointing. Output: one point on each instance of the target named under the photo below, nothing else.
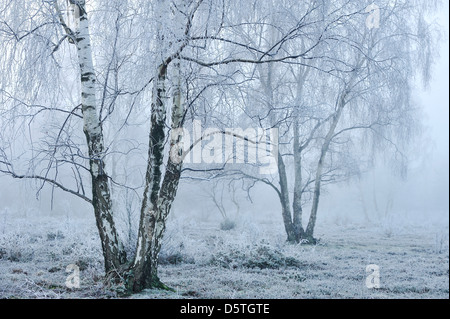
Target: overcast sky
(426, 190)
(423, 196)
(436, 106)
(436, 98)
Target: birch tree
(375, 94)
(353, 86)
(70, 24)
(98, 66)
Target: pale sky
(436, 99)
(423, 196)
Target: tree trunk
(309, 234)
(341, 103)
(144, 270)
(298, 191)
(158, 198)
(113, 251)
(284, 200)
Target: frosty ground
(199, 260)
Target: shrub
(3, 253)
(18, 255)
(262, 257)
(173, 254)
(55, 235)
(227, 224)
(174, 258)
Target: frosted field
(198, 260)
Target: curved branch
(48, 180)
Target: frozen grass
(35, 253)
(252, 260)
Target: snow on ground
(199, 260)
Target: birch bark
(113, 252)
(158, 197)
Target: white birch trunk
(319, 171)
(296, 202)
(309, 234)
(143, 275)
(158, 198)
(112, 249)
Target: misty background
(379, 194)
(362, 147)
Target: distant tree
(346, 98)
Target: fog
(323, 156)
(380, 194)
(421, 196)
